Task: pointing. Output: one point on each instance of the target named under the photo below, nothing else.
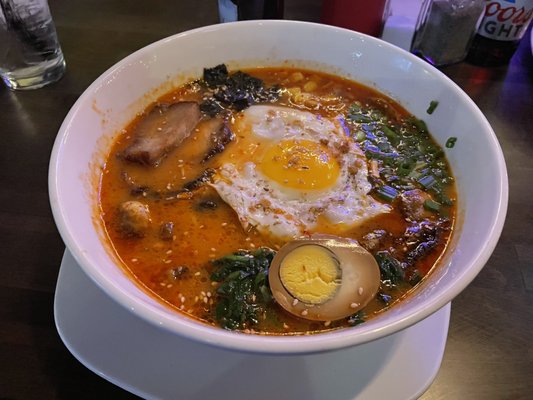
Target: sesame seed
(252, 245)
(182, 299)
(169, 251)
(360, 291)
(206, 300)
(213, 249)
(196, 298)
(224, 223)
(304, 312)
(354, 305)
(247, 239)
(169, 285)
(254, 298)
(201, 226)
(327, 323)
(180, 161)
(159, 129)
(214, 284)
(208, 294)
(167, 261)
(134, 260)
(202, 293)
(294, 302)
(197, 273)
(285, 326)
(185, 233)
(182, 307)
(162, 283)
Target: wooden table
(489, 353)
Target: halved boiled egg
(323, 277)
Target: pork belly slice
(220, 136)
(162, 130)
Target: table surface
(489, 354)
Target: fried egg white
(292, 171)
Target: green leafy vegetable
(391, 269)
(244, 292)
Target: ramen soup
(277, 201)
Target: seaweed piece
(235, 91)
(215, 76)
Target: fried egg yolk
(300, 164)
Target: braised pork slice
(220, 136)
(163, 129)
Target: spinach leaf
(391, 269)
(244, 292)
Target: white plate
(112, 342)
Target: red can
(359, 15)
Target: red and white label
(506, 20)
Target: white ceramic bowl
(132, 84)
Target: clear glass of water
(30, 54)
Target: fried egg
(292, 172)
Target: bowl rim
(297, 344)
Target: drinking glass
(30, 54)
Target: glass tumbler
(30, 54)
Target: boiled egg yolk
(300, 164)
(310, 273)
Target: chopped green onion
(360, 136)
(420, 125)
(387, 193)
(444, 199)
(451, 142)
(432, 205)
(427, 181)
(405, 168)
(432, 106)
(391, 135)
(360, 118)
